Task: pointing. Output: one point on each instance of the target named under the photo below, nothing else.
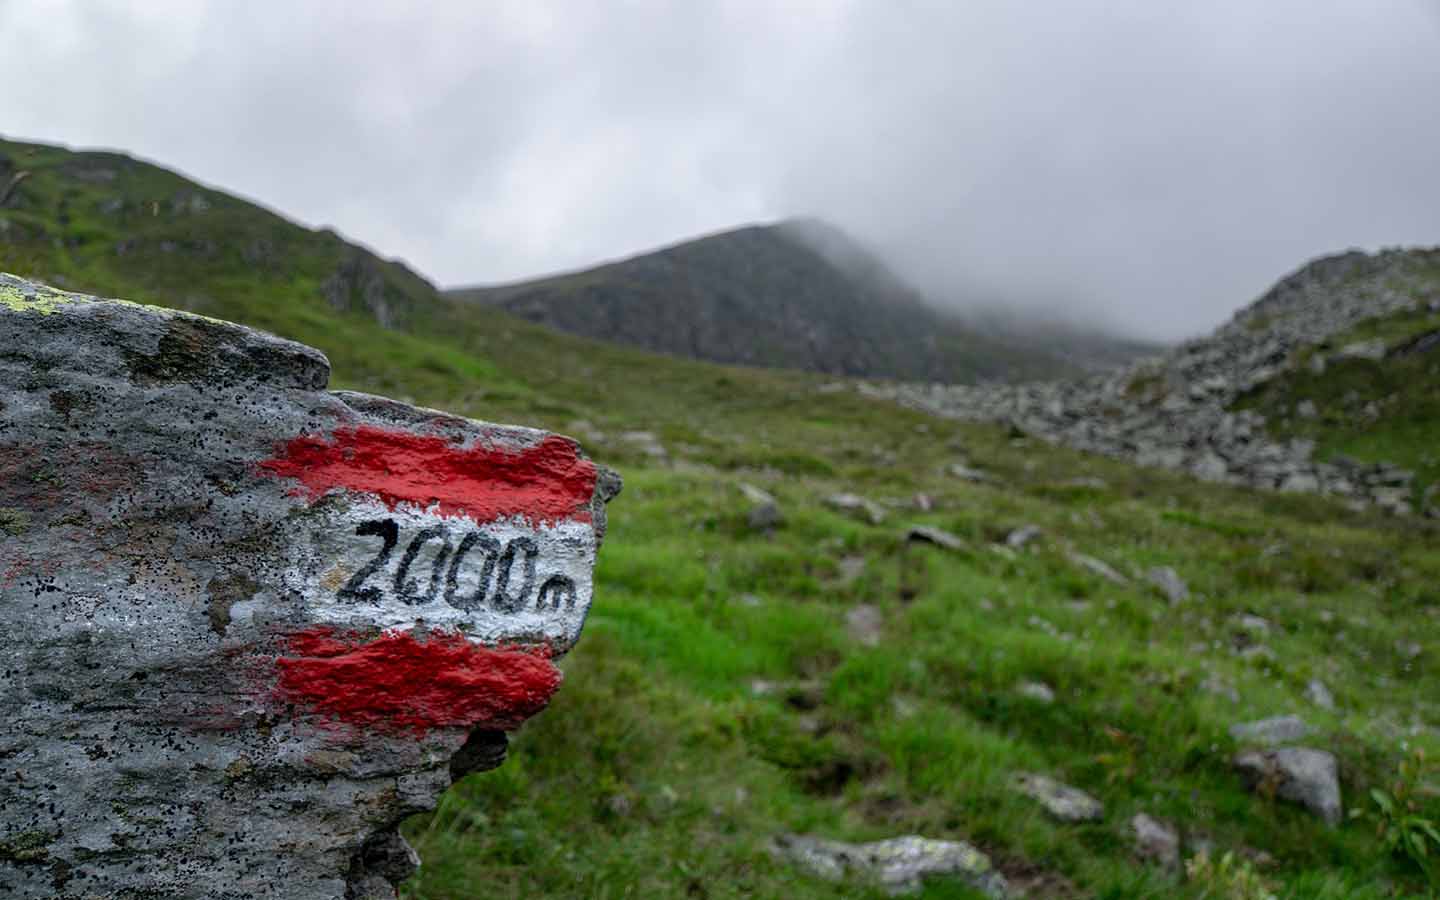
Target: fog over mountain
(1146, 166)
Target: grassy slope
(658, 772)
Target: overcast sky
(1154, 164)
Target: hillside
(827, 675)
(797, 295)
(1329, 382)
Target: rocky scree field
(823, 615)
(1327, 383)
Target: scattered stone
(1409, 650)
(1170, 584)
(1252, 625)
(1317, 693)
(751, 600)
(1156, 842)
(927, 535)
(1300, 483)
(922, 502)
(1022, 536)
(1273, 731)
(764, 513)
(210, 529)
(1037, 691)
(1097, 567)
(966, 473)
(1306, 409)
(865, 623)
(1301, 775)
(1066, 803)
(646, 442)
(900, 865)
(857, 507)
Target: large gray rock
(1301, 775)
(900, 865)
(248, 625)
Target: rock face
(248, 624)
(1175, 411)
(900, 865)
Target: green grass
(658, 771)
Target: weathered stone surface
(1277, 730)
(247, 625)
(1301, 775)
(1066, 803)
(900, 865)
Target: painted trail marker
(248, 625)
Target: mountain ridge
(798, 293)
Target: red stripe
(546, 483)
(395, 683)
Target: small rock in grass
(1097, 567)
(1252, 625)
(1170, 583)
(965, 473)
(646, 442)
(939, 537)
(1277, 730)
(1301, 775)
(1036, 690)
(764, 512)
(1317, 693)
(864, 624)
(1022, 536)
(900, 865)
(851, 568)
(1214, 684)
(1066, 803)
(1156, 841)
(857, 507)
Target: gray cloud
(1151, 164)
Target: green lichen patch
(14, 521)
(27, 846)
(37, 299)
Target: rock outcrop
(248, 625)
(1175, 411)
